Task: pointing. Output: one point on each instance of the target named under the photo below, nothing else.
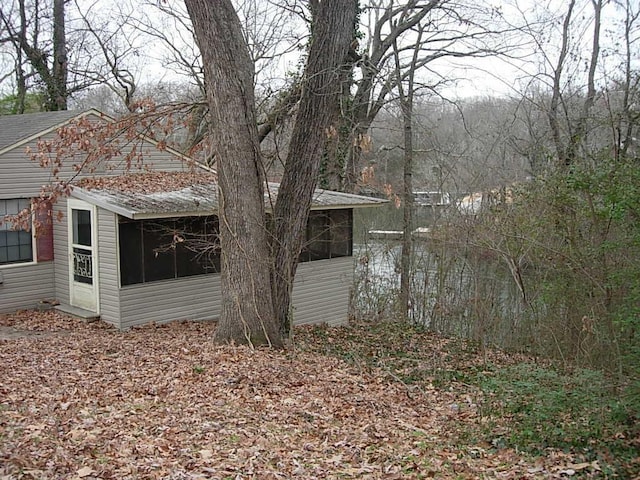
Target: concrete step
(87, 315)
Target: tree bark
(247, 315)
(326, 69)
(54, 77)
(405, 98)
(372, 88)
(553, 114)
(59, 69)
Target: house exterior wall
(108, 279)
(321, 292)
(61, 252)
(186, 298)
(24, 285)
(320, 295)
(20, 177)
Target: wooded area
(537, 248)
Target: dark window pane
(13, 238)
(82, 227)
(163, 249)
(159, 254)
(13, 254)
(25, 252)
(15, 245)
(190, 239)
(329, 234)
(24, 238)
(130, 253)
(318, 239)
(12, 207)
(212, 254)
(340, 227)
(198, 248)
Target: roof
(177, 199)
(18, 129)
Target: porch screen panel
(130, 243)
(163, 249)
(340, 226)
(318, 237)
(197, 246)
(159, 253)
(329, 235)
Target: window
(329, 235)
(15, 245)
(162, 249)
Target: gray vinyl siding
(161, 160)
(22, 178)
(108, 282)
(19, 176)
(24, 286)
(187, 298)
(61, 253)
(321, 291)
(321, 294)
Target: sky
(150, 63)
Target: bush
(580, 411)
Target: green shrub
(581, 411)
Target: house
(432, 199)
(121, 245)
(477, 202)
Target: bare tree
(114, 46)
(567, 78)
(23, 24)
(452, 30)
(405, 98)
(323, 78)
(251, 307)
(627, 87)
(64, 47)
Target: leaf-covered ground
(84, 401)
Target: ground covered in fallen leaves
(84, 401)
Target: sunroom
(141, 250)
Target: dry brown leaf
(84, 400)
(85, 472)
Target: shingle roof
(16, 128)
(194, 200)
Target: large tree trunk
(59, 70)
(247, 315)
(407, 213)
(332, 35)
(556, 97)
(405, 98)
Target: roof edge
(108, 118)
(82, 113)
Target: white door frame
(84, 259)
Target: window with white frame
(16, 245)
